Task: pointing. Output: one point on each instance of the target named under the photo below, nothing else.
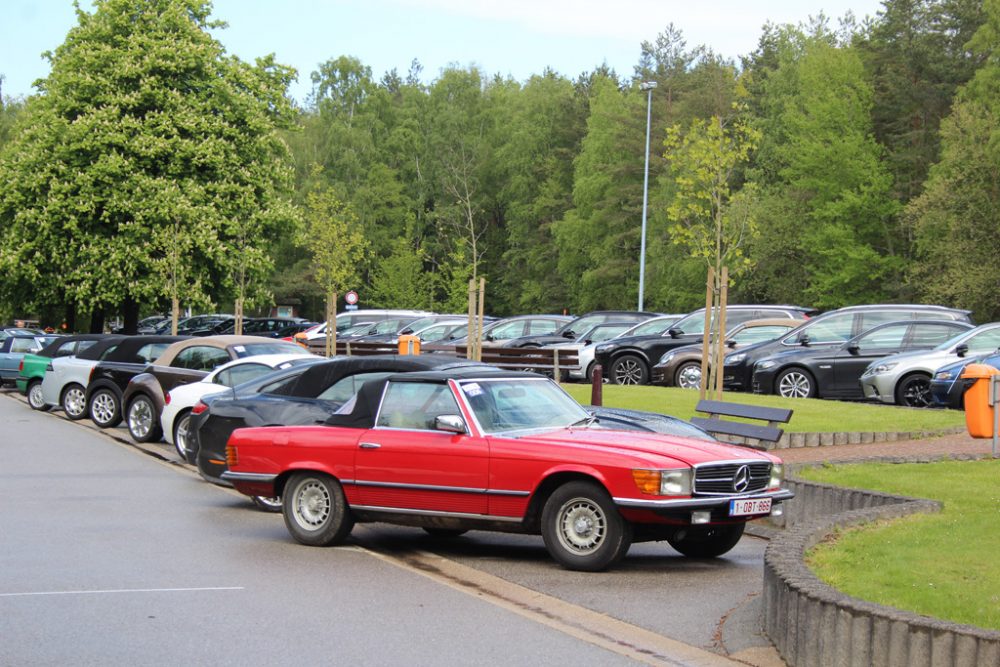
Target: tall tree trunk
(97, 319)
(70, 320)
(131, 315)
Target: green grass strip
(810, 415)
(943, 565)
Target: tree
(146, 140)
(829, 232)
(333, 237)
(955, 220)
(709, 218)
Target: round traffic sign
(351, 298)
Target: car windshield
(516, 404)
(985, 340)
(653, 327)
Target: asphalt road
(116, 555)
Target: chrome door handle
(369, 445)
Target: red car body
(449, 474)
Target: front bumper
(879, 388)
(763, 382)
(700, 503)
(737, 377)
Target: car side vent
(727, 479)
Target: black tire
(74, 402)
(181, 425)
(315, 510)
(268, 503)
(706, 541)
(795, 383)
(105, 409)
(914, 391)
(143, 421)
(582, 528)
(629, 369)
(688, 375)
(445, 532)
(35, 399)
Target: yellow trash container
(409, 344)
(978, 411)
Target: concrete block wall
(814, 625)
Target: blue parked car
(947, 386)
(12, 351)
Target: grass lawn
(811, 415)
(942, 565)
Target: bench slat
(746, 411)
(740, 429)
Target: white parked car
(905, 378)
(180, 400)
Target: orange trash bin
(409, 344)
(978, 411)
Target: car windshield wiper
(586, 421)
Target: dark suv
(572, 329)
(628, 360)
(829, 329)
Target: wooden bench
(753, 435)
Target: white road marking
(123, 590)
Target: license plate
(749, 506)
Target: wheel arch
(915, 372)
(66, 387)
(548, 485)
(794, 366)
(103, 383)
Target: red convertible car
(470, 448)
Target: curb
(799, 440)
(813, 624)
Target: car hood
(935, 358)
(653, 449)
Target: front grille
(717, 480)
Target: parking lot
(118, 554)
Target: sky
(516, 38)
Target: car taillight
(198, 408)
(91, 377)
(20, 366)
(166, 399)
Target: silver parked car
(905, 378)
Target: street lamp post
(648, 87)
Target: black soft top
(128, 346)
(318, 377)
(53, 347)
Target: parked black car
(835, 371)
(574, 328)
(628, 359)
(181, 363)
(826, 330)
(299, 395)
(111, 375)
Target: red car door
(405, 463)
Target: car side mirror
(487, 337)
(569, 334)
(962, 350)
(853, 348)
(731, 344)
(804, 340)
(674, 333)
(449, 423)
(587, 342)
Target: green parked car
(29, 377)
